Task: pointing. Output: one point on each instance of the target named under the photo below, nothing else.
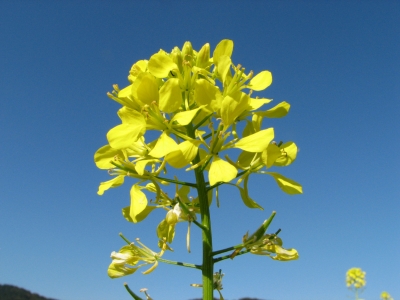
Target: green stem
(178, 263)
(227, 249)
(208, 263)
(176, 181)
(134, 296)
(218, 259)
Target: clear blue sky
(336, 62)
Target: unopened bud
(203, 57)
(176, 56)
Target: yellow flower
(125, 261)
(386, 296)
(355, 278)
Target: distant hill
(10, 292)
(246, 298)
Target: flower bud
(187, 53)
(187, 49)
(171, 218)
(176, 56)
(203, 57)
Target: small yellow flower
(125, 261)
(386, 296)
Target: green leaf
(261, 81)
(138, 202)
(287, 185)
(221, 171)
(256, 142)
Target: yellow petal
(245, 159)
(224, 47)
(116, 271)
(141, 165)
(205, 92)
(160, 64)
(164, 145)
(105, 155)
(138, 202)
(232, 106)
(270, 155)
(287, 185)
(104, 186)
(145, 88)
(278, 111)
(224, 66)
(124, 135)
(221, 171)
(256, 142)
(256, 103)
(244, 194)
(289, 150)
(184, 155)
(261, 81)
(164, 230)
(185, 117)
(170, 96)
(139, 217)
(136, 69)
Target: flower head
(355, 278)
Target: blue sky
(336, 62)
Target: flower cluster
(182, 109)
(355, 278)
